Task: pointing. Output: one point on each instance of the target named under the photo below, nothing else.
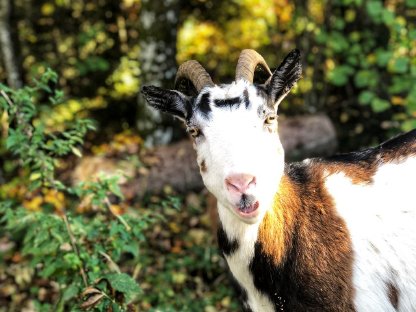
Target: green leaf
(412, 33)
(411, 3)
(399, 85)
(123, 283)
(365, 97)
(339, 75)
(408, 125)
(338, 42)
(400, 65)
(387, 17)
(364, 78)
(379, 105)
(383, 57)
(374, 8)
(70, 292)
(411, 101)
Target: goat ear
(168, 101)
(284, 77)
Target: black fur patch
(236, 101)
(285, 76)
(226, 246)
(372, 154)
(298, 172)
(168, 101)
(398, 141)
(268, 278)
(203, 105)
(246, 98)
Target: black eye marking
(203, 105)
(236, 101)
(246, 99)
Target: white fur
(381, 219)
(235, 141)
(239, 260)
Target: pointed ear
(285, 77)
(168, 101)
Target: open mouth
(247, 207)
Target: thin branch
(120, 218)
(6, 97)
(75, 248)
(111, 264)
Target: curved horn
(247, 63)
(193, 71)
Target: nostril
(231, 186)
(252, 182)
(240, 182)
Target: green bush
(364, 51)
(68, 247)
(78, 253)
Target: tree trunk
(8, 52)
(159, 23)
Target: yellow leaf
(47, 9)
(35, 176)
(397, 100)
(77, 152)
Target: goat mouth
(247, 207)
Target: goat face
(234, 129)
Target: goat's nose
(239, 182)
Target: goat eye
(270, 119)
(193, 131)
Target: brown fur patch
(304, 234)
(203, 166)
(304, 251)
(393, 294)
(275, 229)
(358, 173)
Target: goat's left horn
(247, 63)
(194, 72)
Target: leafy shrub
(364, 51)
(78, 253)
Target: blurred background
(359, 59)
(359, 56)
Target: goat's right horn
(247, 63)
(194, 72)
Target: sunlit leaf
(379, 105)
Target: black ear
(284, 77)
(168, 101)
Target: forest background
(70, 74)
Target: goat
(325, 234)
